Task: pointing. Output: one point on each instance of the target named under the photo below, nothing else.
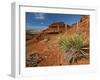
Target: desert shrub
(72, 46)
(33, 60)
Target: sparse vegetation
(32, 60)
(73, 47)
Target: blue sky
(42, 20)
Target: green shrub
(73, 47)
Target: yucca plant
(73, 47)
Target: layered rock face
(56, 27)
(79, 27)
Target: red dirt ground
(50, 53)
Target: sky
(43, 20)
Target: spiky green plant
(73, 47)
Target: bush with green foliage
(72, 46)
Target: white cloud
(42, 23)
(39, 16)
